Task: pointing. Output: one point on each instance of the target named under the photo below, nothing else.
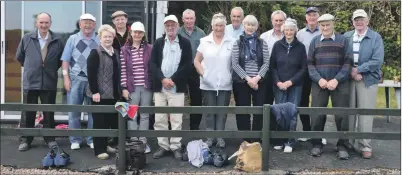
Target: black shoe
(178, 154)
(342, 153)
(316, 152)
(159, 153)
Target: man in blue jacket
(39, 53)
(368, 56)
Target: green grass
(381, 103)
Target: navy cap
(312, 9)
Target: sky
(64, 13)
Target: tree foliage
(384, 17)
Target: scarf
(251, 46)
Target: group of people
(282, 65)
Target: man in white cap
(74, 67)
(171, 60)
(120, 19)
(329, 64)
(368, 57)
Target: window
(94, 8)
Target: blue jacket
(371, 56)
(285, 115)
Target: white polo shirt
(216, 63)
(270, 37)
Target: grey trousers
(214, 98)
(141, 97)
(339, 98)
(362, 97)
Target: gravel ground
(111, 170)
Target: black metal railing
(265, 134)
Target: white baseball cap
(359, 13)
(171, 18)
(87, 16)
(137, 26)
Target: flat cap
(87, 16)
(326, 17)
(118, 13)
(359, 13)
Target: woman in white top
(213, 63)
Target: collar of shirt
(364, 34)
(93, 36)
(175, 40)
(46, 37)
(312, 31)
(240, 28)
(210, 38)
(110, 52)
(332, 37)
(274, 35)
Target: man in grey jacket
(368, 56)
(39, 53)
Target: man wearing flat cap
(120, 19)
(171, 60)
(75, 74)
(305, 36)
(329, 64)
(368, 57)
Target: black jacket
(288, 66)
(39, 75)
(181, 75)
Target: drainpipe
(161, 11)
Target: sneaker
(178, 154)
(288, 149)
(91, 145)
(316, 152)
(324, 141)
(103, 156)
(23, 147)
(209, 142)
(75, 146)
(278, 147)
(159, 153)
(147, 149)
(303, 139)
(220, 143)
(342, 153)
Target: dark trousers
(243, 95)
(305, 102)
(339, 98)
(104, 121)
(28, 117)
(195, 97)
(269, 90)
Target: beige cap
(171, 18)
(118, 13)
(326, 17)
(87, 16)
(137, 26)
(359, 13)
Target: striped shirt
(356, 46)
(137, 66)
(329, 58)
(251, 68)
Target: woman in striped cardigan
(135, 80)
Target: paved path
(386, 154)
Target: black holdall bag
(135, 156)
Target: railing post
(122, 145)
(265, 136)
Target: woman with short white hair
(250, 63)
(212, 62)
(104, 85)
(289, 66)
